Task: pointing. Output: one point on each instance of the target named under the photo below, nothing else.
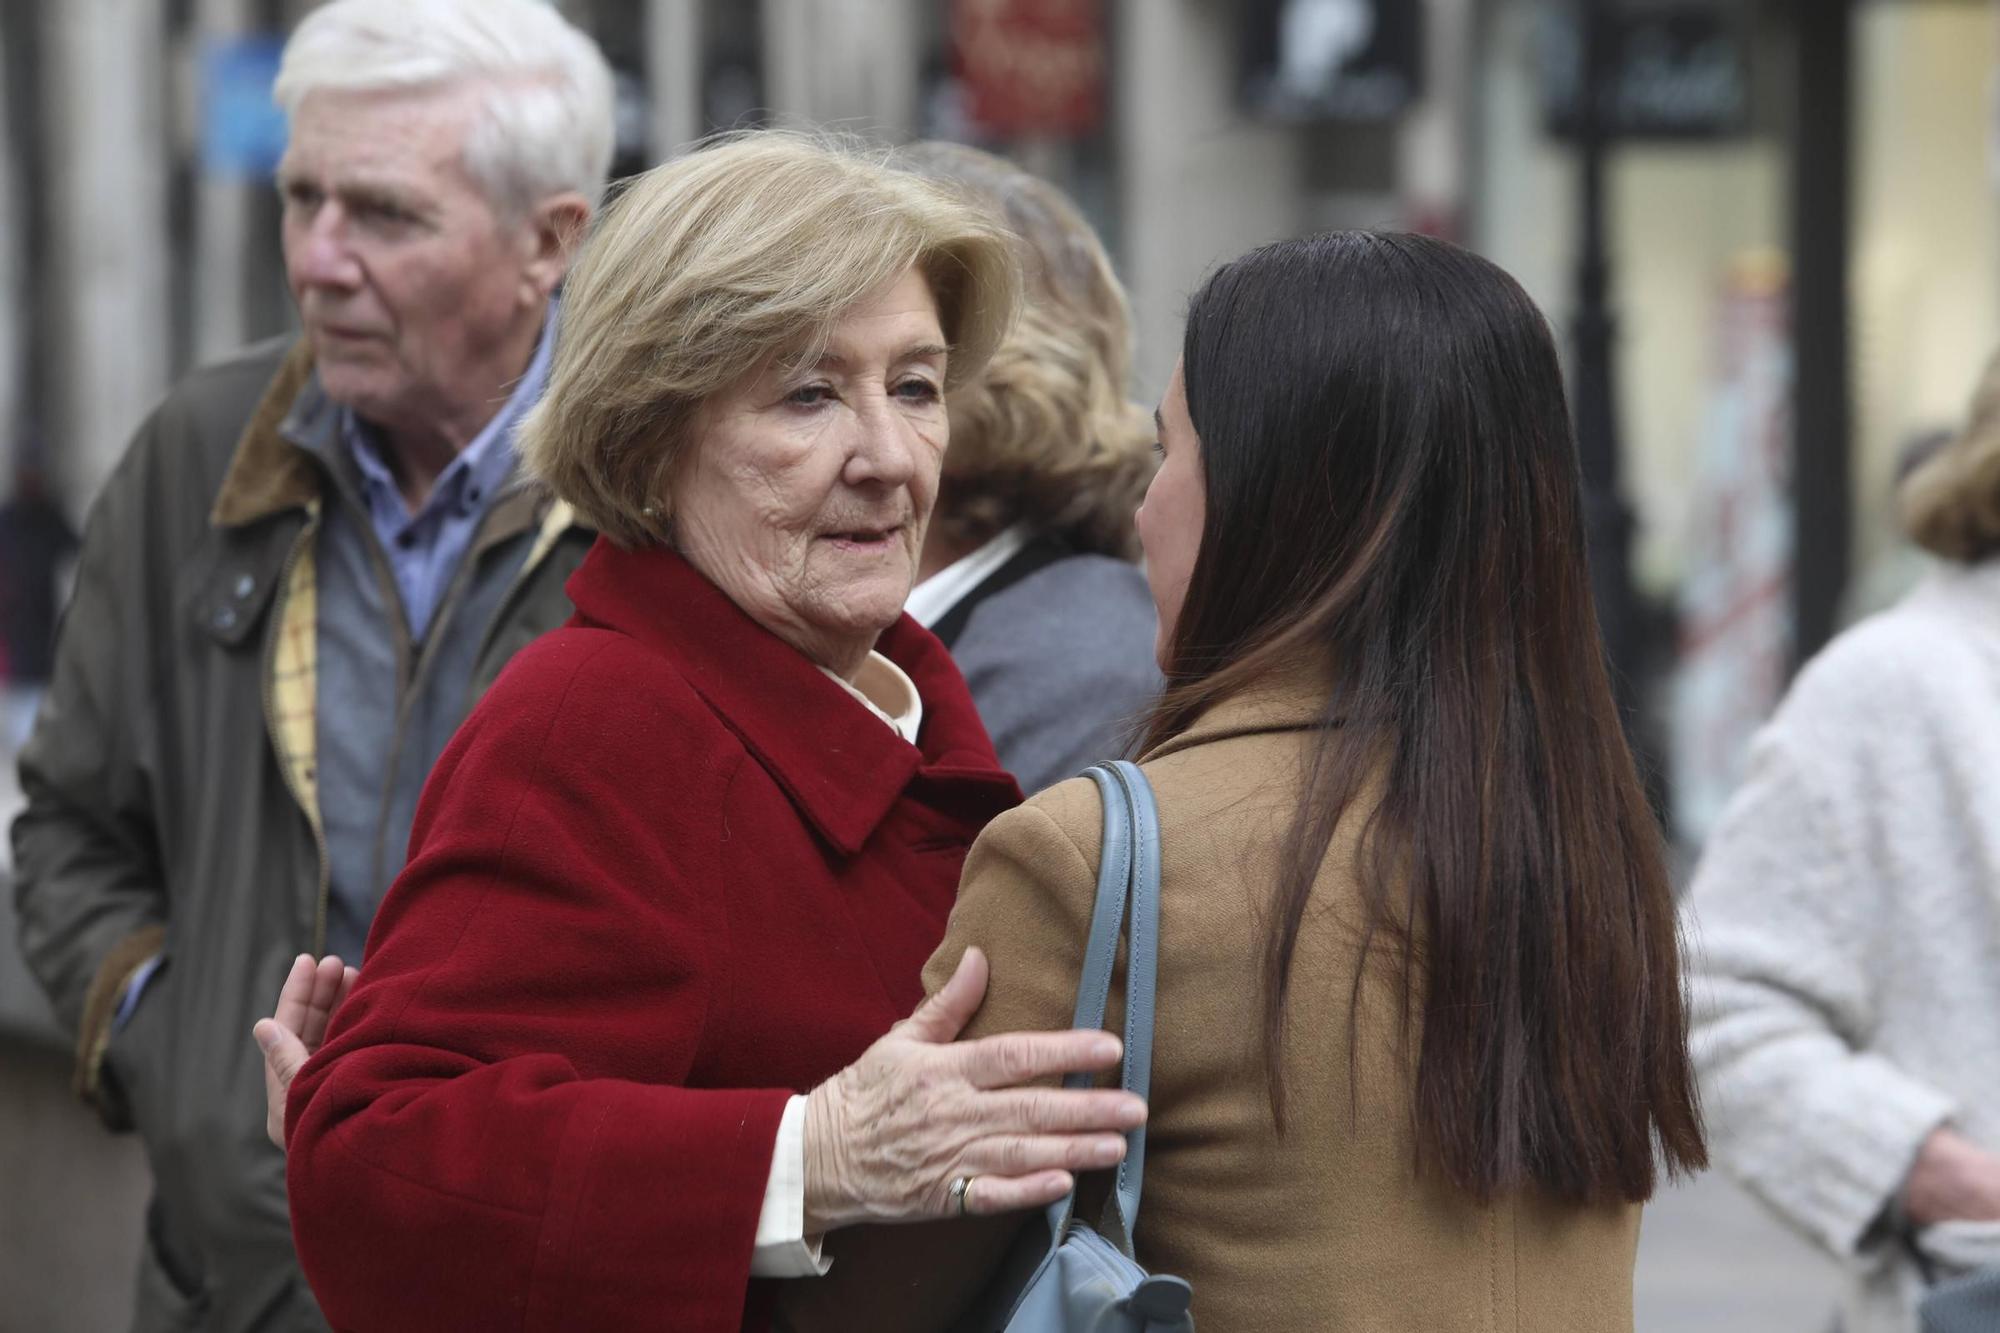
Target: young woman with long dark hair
(1421, 1049)
(1391, 490)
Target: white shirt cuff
(783, 1249)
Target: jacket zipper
(309, 808)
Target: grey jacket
(1061, 666)
(172, 807)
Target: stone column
(1198, 182)
(14, 302)
(847, 64)
(1431, 150)
(673, 75)
(222, 213)
(108, 147)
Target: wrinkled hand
(885, 1137)
(1953, 1180)
(312, 991)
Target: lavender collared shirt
(425, 549)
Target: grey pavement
(71, 1200)
(1713, 1260)
(1710, 1259)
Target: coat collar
(282, 454)
(1286, 701)
(836, 761)
(269, 474)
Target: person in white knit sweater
(1844, 923)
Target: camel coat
(1328, 1227)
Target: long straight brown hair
(1392, 493)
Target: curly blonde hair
(704, 269)
(1047, 435)
(1951, 501)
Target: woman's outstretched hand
(312, 991)
(885, 1137)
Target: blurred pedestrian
(1845, 926)
(36, 544)
(313, 558)
(1419, 1052)
(1027, 572)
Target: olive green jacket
(171, 809)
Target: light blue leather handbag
(1089, 1280)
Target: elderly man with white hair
(315, 556)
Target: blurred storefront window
(1704, 213)
(1926, 263)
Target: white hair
(545, 122)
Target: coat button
(245, 585)
(225, 618)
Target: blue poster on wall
(242, 129)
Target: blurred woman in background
(1027, 572)
(1847, 922)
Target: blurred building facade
(138, 227)
(138, 230)
(1830, 162)
(138, 238)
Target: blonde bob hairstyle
(706, 269)
(1047, 435)
(1951, 501)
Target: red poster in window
(1031, 68)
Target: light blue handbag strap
(1142, 959)
(1093, 989)
(1107, 921)
(1129, 863)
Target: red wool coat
(666, 875)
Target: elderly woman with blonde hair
(1847, 930)
(1027, 572)
(617, 1057)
